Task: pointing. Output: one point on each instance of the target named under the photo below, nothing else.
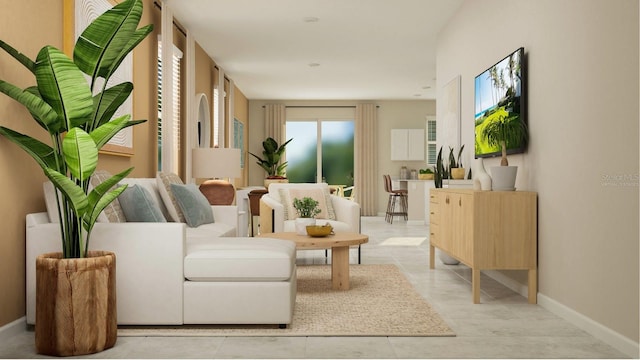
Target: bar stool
(398, 197)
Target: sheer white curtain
(365, 162)
(275, 121)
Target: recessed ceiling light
(314, 64)
(310, 19)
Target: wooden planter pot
(75, 304)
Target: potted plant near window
(76, 287)
(271, 163)
(307, 209)
(504, 132)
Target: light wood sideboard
(486, 230)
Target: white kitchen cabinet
(407, 144)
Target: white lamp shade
(216, 163)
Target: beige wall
(241, 112)
(583, 116)
(391, 115)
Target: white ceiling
(366, 49)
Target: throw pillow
(318, 194)
(195, 207)
(113, 212)
(164, 188)
(138, 205)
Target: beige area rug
(381, 302)
(403, 241)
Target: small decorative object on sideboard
(425, 174)
(456, 169)
(440, 172)
(481, 180)
(503, 132)
(307, 209)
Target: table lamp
(216, 164)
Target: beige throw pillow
(113, 212)
(164, 188)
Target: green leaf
(22, 58)
(63, 86)
(80, 153)
(136, 38)
(39, 109)
(105, 132)
(74, 193)
(108, 101)
(100, 45)
(42, 153)
(101, 196)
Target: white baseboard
(13, 328)
(611, 337)
(607, 335)
(496, 275)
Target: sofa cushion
(318, 194)
(139, 206)
(239, 259)
(164, 188)
(194, 206)
(208, 231)
(113, 212)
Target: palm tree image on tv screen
(499, 98)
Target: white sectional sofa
(168, 273)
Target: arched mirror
(204, 121)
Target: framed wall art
(78, 14)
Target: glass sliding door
(329, 160)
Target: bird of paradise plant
(77, 115)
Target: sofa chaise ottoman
(240, 281)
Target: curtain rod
(319, 106)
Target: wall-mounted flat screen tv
(500, 94)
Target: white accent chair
(276, 214)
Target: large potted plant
(75, 295)
(307, 209)
(504, 132)
(271, 163)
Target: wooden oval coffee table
(339, 244)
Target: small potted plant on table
(307, 209)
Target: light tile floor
(503, 326)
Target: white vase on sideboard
(481, 179)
